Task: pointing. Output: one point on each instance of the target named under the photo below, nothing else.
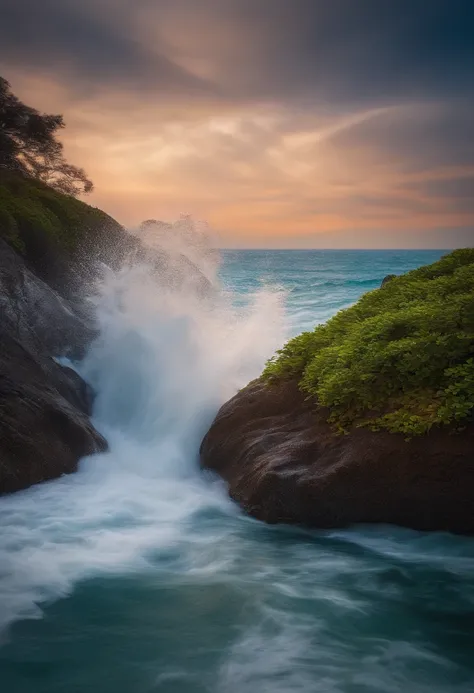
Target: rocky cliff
(51, 247)
(44, 407)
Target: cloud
(272, 119)
(255, 173)
(420, 135)
(243, 50)
(92, 43)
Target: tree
(28, 145)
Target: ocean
(138, 574)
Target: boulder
(44, 427)
(284, 463)
(44, 407)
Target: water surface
(137, 574)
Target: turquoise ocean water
(137, 574)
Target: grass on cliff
(401, 358)
(32, 211)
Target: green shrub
(401, 358)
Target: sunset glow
(271, 125)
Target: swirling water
(137, 574)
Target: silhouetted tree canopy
(28, 144)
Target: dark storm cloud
(418, 137)
(315, 50)
(359, 49)
(87, 41)
(458, 188)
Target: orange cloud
(264, 171)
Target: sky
(281, 123)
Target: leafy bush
(401, 358)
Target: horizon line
(342, 250)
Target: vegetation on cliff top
(401, 358)
(29, 146)
(31, 211)
(39, 212)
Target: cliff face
(44, 407)
(369, 418)
(50, 249)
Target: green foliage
(402, 358)
(29, 208)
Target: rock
(44, 406)
(387, 279)
(284, 463)
(43, 431)
(72, 387)
(35, 314)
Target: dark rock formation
(35, 314)
(44, 407)
(284, 463)
(44, 427)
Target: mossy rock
(401, 358)
(27, 204)
(50, 229)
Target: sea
(138, 574)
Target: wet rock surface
(284, 463)
(44, 407)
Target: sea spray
(168, 354)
